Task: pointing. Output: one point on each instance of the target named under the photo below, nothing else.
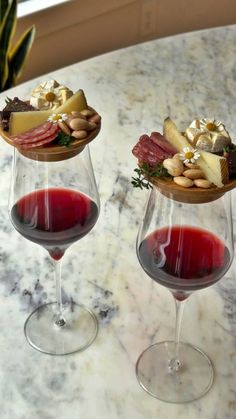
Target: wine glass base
(77, 334)
(192, 380)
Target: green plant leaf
(3, 9)
(18, 56)
(64, 139)
(144, 173)
(7, 30)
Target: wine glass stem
(59, 318)
(174, 363)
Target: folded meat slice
(152, 150)
(160, 140)
(39, 133)
(33, 132)
(39, 143)
(36, 137)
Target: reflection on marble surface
(134, 90)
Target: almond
(64, 127)
(173, 166)
(77, 124)
(95, 118)
(191, 165)
(77, 114)
(91, 126)
(194, 174)
(87, 112)
(79, 134)
(202, 183)
(183, 181)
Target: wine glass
(184, 247)
(54, 204)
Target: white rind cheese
(49, 95)
(208, 134)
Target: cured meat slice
(39, 143)
(37, 135)
(33, 132)
(149, 151)
(160, 140)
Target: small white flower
(189, 155)
(211, 124)
(57, 117)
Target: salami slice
(40, 129)
(39, 143)
(148, 150)
(37, 135)
(160, 140)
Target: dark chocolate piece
(13, 105)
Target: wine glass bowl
(54, 204)
(184, 247)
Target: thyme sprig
(64, 139)
(144, 172)
(140, 181)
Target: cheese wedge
(173, 136)
(214, 167)
(23, 121)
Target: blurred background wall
(79, 29)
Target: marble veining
(133, 89)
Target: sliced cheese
(173, 136)
(77, 102)
(23, 121)
(215, 168)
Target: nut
(79, 134)
(194, 174)
(87, 113)
(68, 119)
(183, 181)
(202, 183)
(192, 165)
(91, 126)
(95, 118)
(174, 166)
(77, 114)
(77, 124)
(64, 127)
(176, 156)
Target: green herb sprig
(140, 181)
(64, 139)
(144, 172)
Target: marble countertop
(133, 89)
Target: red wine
(54, 218)
(184, 258)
